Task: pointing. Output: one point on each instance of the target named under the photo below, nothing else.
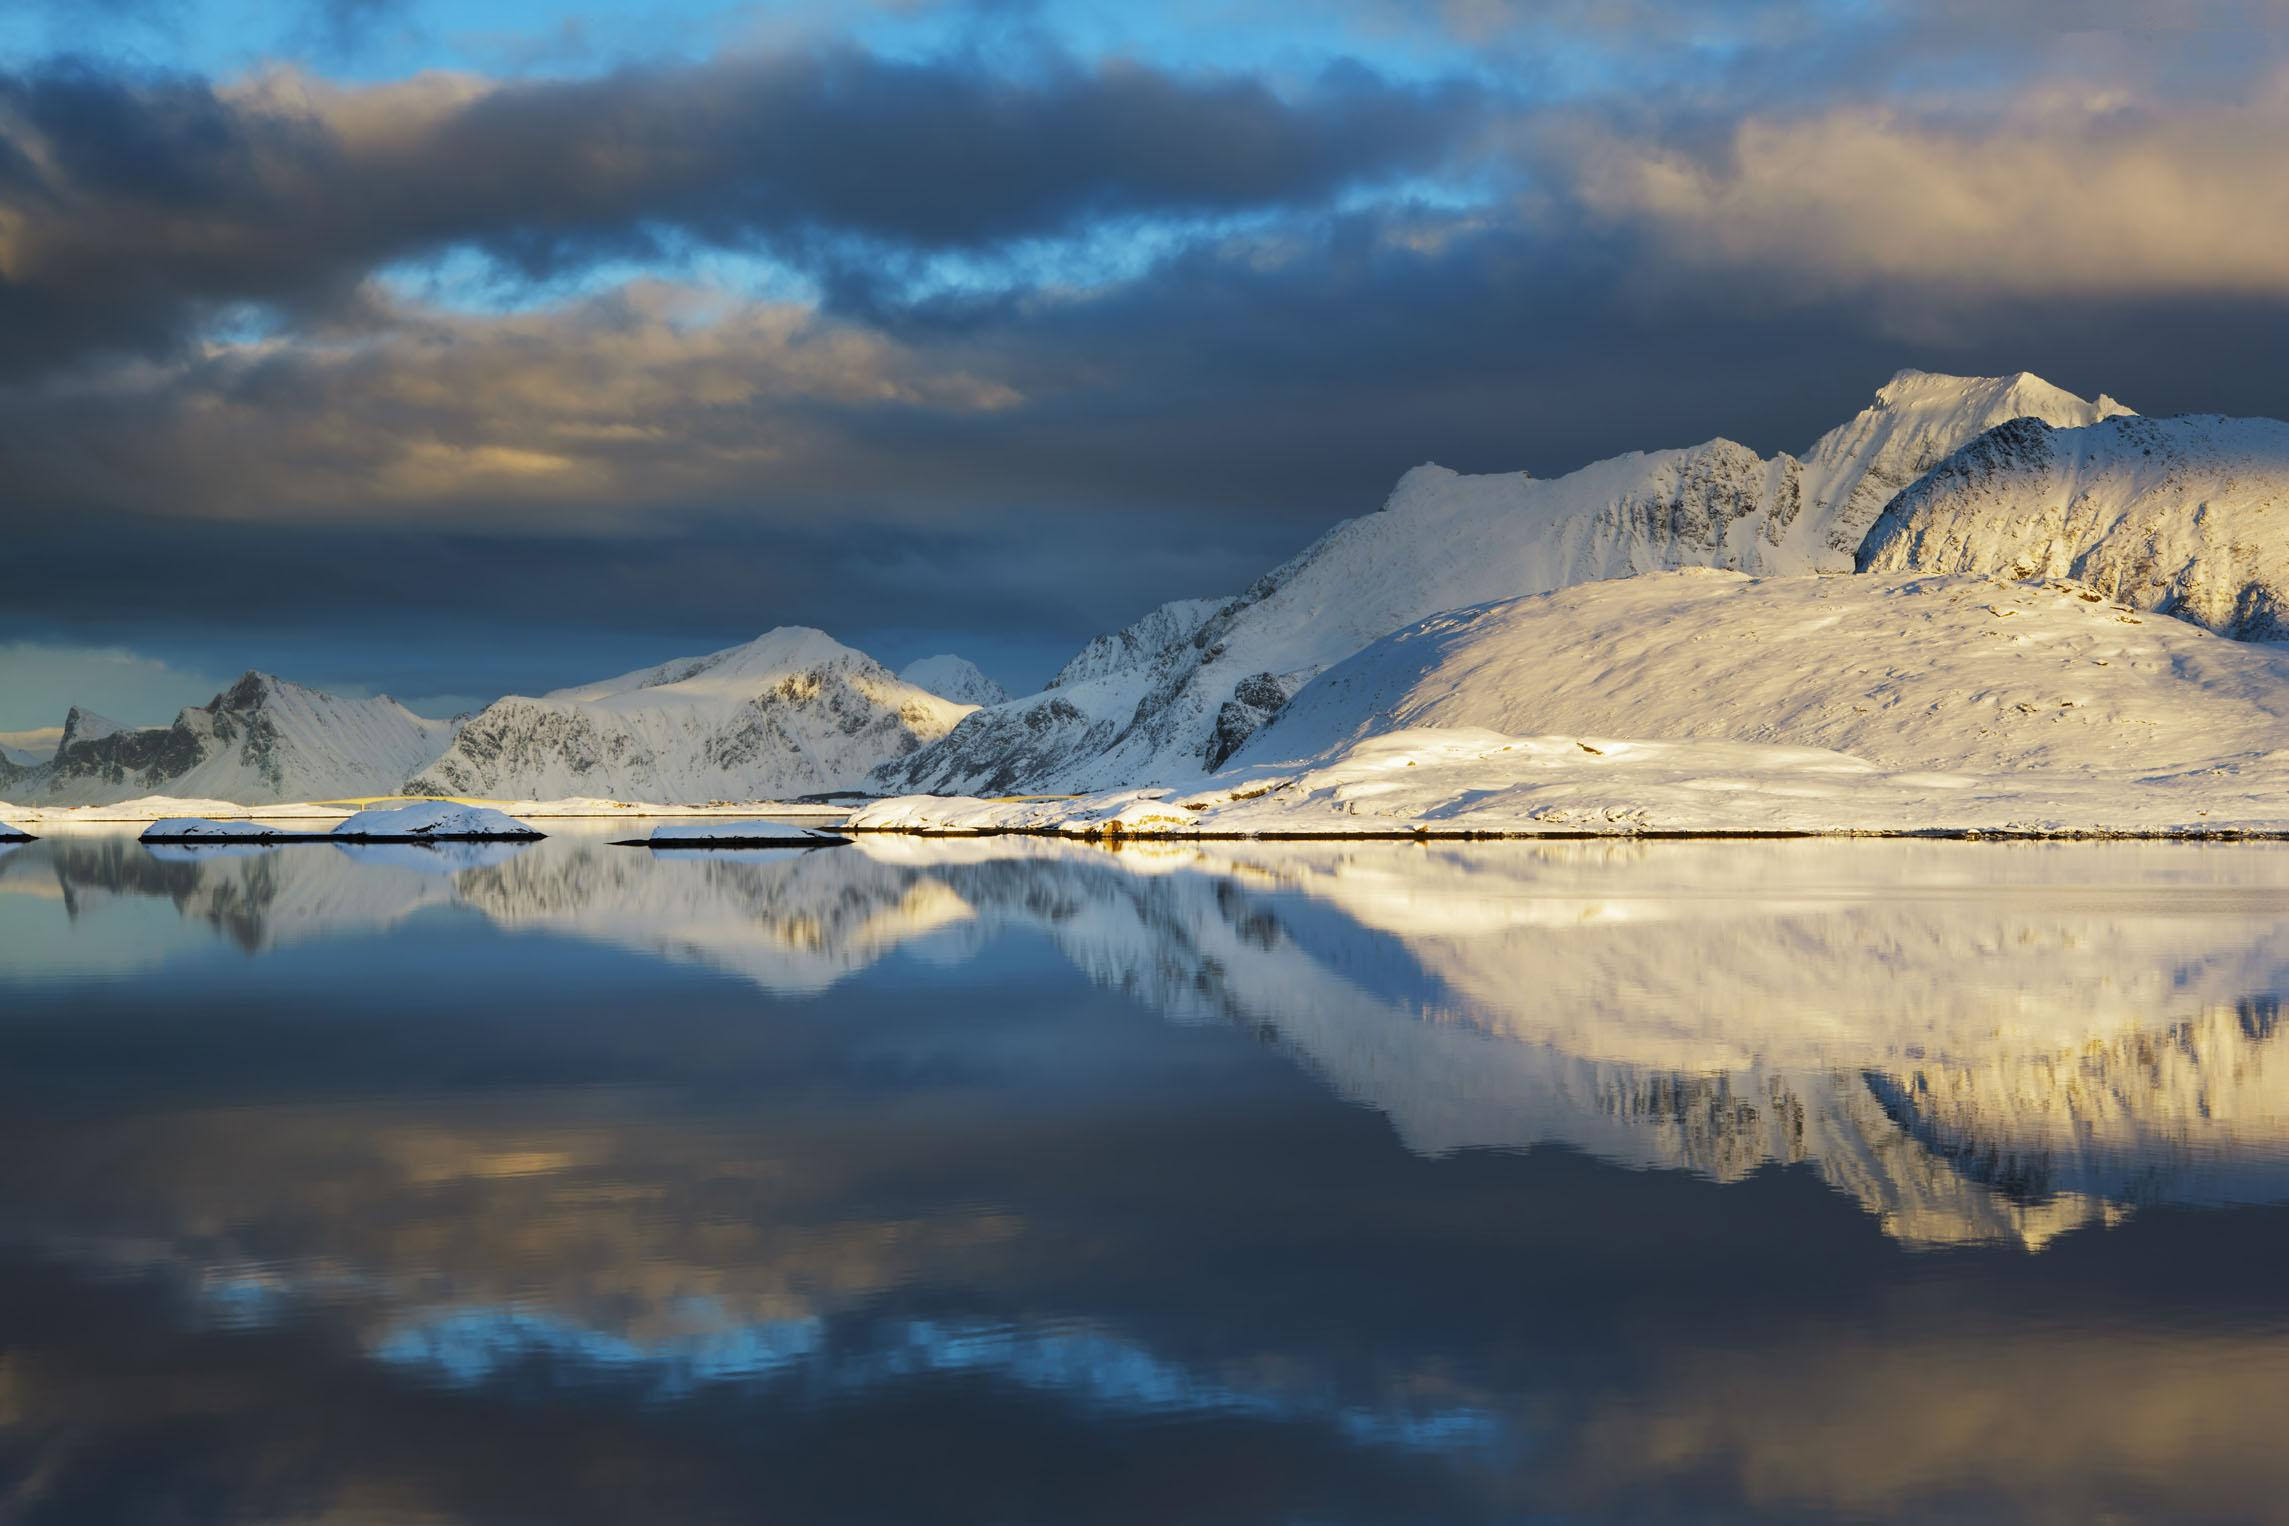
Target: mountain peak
(1917, 420)
(792, 712)
(84, 725)
(779, 652)
(2024, 391)
(248, 693)
(951, 677)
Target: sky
(451, 348)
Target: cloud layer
(993, 332)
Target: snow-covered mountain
(2188, 516)
(954, 678)
(1445, 540)
(260, 742)
(1085, 710)
(1134, 646)
(29, 749)
(1924, 672)
(792, 712)
(84, 725)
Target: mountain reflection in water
(1188, 1182)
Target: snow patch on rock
(423, 821)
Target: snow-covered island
(736, 834)
(422, 821)
(205, 829)
(434, 821)
(10, 833)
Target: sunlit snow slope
(2188, 516)
(1444, 540)
(1704, 701)
(1905, 672)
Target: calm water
(916, 1182)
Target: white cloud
(2063, 192)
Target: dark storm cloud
(1744, 243)
(1256, 399)
(132, 208)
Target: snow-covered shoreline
(1622, 789)
(152, 808)
(1679, 704)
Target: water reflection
(1192, 1183)
(1974, 1042)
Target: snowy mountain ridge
(1082, 713)
(2186, 516)
(792, 712)
(1704, 701)
(1444, 540)
(1134, 646)
(1917, 420)
(263, 741)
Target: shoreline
(1575, 834)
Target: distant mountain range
(260, 741)
(792, 712)
(1990, 475)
